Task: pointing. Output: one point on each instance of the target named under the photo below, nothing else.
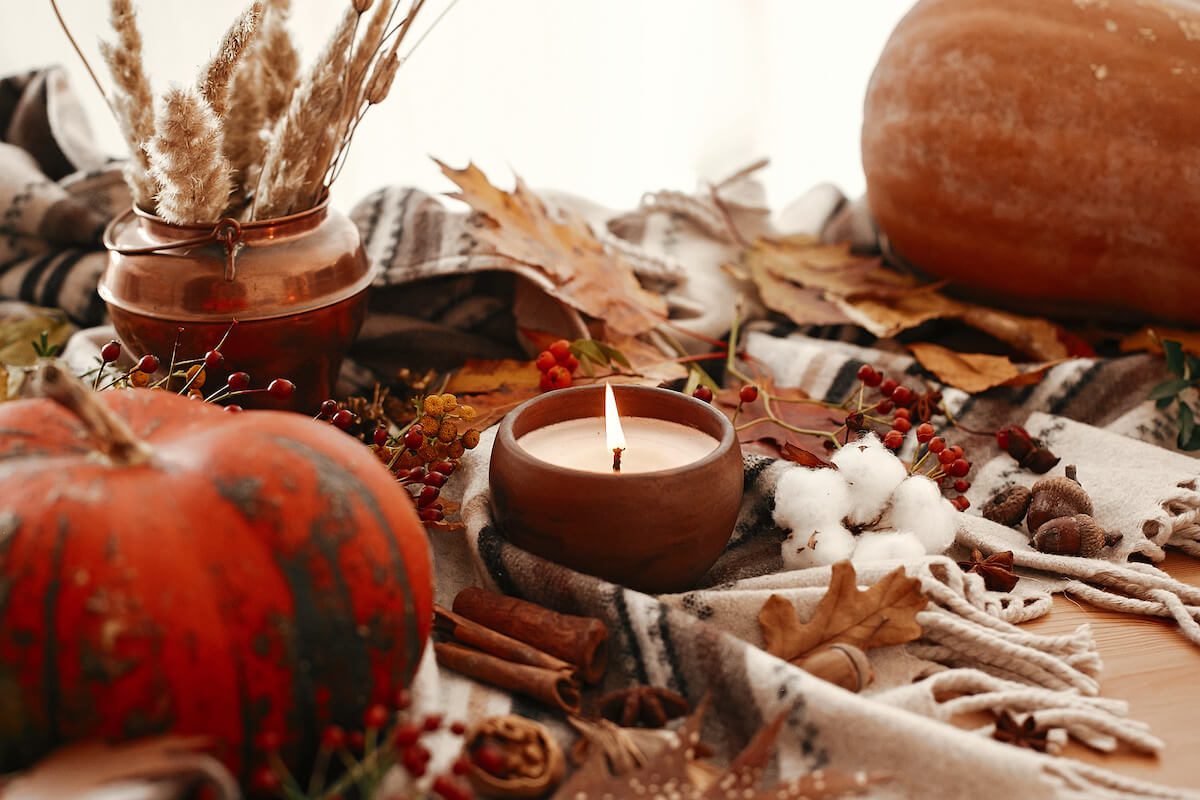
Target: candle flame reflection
(612, 421)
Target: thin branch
(62, 23)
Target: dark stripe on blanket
(397, 230)
(846, 376)
(29, 282)
(629, 634)
(58, 276)
(1058, 405)
(676, 679)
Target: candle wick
(617, 458)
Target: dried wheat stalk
(132, 98)
(186, 159)
(218, 75)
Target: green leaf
(1164, 402)
(1174, 352)
(614, 355)
(692, 382)
(589, 350)
(1187, 426)
(1169, 388)
(1192, 367)
(702, 379)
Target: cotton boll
(808, 499)
(816, 548)
(886, 546)
(872, 472)
(918, 506)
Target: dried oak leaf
(83, 770)
(976, 372)
(493, 388)
(884, 614)
(579, 269)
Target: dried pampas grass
(253, 139)
(187, 160)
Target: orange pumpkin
(1044, 150)
(197, 572)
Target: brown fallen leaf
(787, 407)
(976, 372)
(562, 247)
(805, 458)
(885, 614)
(493, 388)
(82, 770)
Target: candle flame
(612, 421)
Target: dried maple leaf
(884, 614)
(83, 770)
(976, 372)
(580, 270)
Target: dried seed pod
(1057, 497)
(1077, 535)
(841, 664)
(1008, 507)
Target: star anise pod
(643, 707)
(996, 569)
(1022, 734)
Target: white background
(603, 98)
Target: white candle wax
(650, 445)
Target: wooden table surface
(1149, 664)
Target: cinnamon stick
(581, 641)
(468, 632)
(553, 687)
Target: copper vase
(296, 286)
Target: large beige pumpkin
(1047, 151)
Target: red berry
(444, 467)
(961, 486)
(1002, 438)
(559, 378)
(380, 437)
(234, 408)
(376, 716)
(111, 351)
(887, 387)
(265, 780)
(748, 393)
(893, 440)
(544, 382)
(902, 396)
(901, 424)
(447, 789)
(435, 479)
(869, 375)
(703, 393)
(355, 741)
(414, 763)
(407, 735)
(268, 741)
(461, 766)
(329, 408)
(937, 444)
(414, 437)
(427, 496)
(403, 699)
(458, 728)
(147, 364)
(431, 514)
(490, 760)
(947, 457)
(560, 350)
(333, 737)
(958, 451)
(213, 359)
(958, 467)
(432, 722)
(240, 381)
(884, 406)
(572, 364)
(961, 503)
(903, 412)
(344, 419)
(281, 388)
(546, 361)
(924, 432)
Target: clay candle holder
(650, 528)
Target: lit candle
(632, 445)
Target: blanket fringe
(1085, 782)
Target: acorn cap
(1008, 506)
(1077, 535)
(1057, 497)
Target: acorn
(1008, 506)
(1057, 497)
(1076, 535)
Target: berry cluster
(190, 375)
(557, 364)
(912, 411)
(391, 737)
(423, 454)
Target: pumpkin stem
(109, 432)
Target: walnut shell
(1057, 497)
(1008, 506)
(1077, 535)
(536, 762)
